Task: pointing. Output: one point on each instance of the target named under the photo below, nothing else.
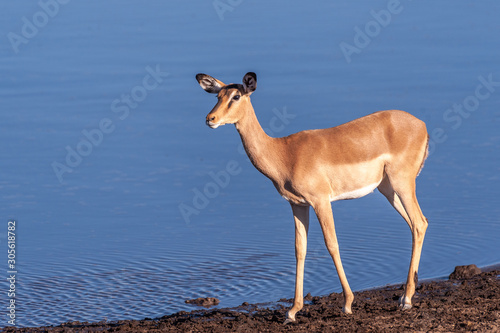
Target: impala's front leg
(323, 210)
(301, 216)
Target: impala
(384, 150)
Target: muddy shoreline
(468, 301)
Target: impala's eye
(236, 97)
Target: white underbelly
(358, 193)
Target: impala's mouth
(212, 124)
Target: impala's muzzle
(210, 121)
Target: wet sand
(468, 301)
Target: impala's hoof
(346, 310)
(404, 303)
(405, 306)
(289, 319)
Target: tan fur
(385, 149)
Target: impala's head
(233, 99)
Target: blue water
(102, 235)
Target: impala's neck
(260, 147)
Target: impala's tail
(426, 153)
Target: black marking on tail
(425, 155)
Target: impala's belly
(361, 192)
(356, 180)
(332, 182)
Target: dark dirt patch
(464, 272)
(203, 301)
(467, 305)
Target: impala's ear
(209, 84)
(250, 82)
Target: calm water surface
(107, 239)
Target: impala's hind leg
(403, 198)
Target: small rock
(203, 301)
(464, 272)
